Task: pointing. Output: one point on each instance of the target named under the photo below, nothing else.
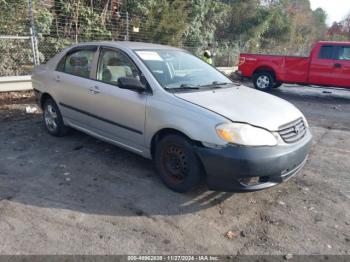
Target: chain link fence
(16, 55)
(33, 31)
(50, 26)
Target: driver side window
(113, 65)
(344, 53)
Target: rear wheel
(263, 81)
(53, 119)
(177, 164)
(277, 85)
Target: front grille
(293, 131)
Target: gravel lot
(77, 195)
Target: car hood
(246, 105)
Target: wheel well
(170, 131)
(43, 98)
(265, 69)
(165, 132)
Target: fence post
(33, 34)
(33, 46)
(127, 26)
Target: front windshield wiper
(187, 86)
(183, 87)
(220, 83)
(217, 84)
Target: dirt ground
(78, 195)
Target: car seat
(115, 69)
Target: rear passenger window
(78, 63)
(326, 52)
(344, 53)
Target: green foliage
(204, 18)
(16, 57)
(274, 26)
(43, 22)
(166, 21)
(14, 17)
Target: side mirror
(131, 83)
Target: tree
(204, 18)
(319, 22)
(273, 26)
(14, 17)
(162, 21)
(340, 31)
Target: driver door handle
(57, 78)
(337, 65)
(95, 90)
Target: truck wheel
(53, 119)
(277, 85)
(263, 81)
(177, 164)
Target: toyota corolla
(170, 106)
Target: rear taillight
(241, 60)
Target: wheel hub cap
(50, 116)
(263, 82)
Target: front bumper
(226, 168)
(238, 75)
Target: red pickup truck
(328, 65)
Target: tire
(177, 164)
(277, 85)
(53, 119)
(264, 81)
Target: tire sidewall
(277, 85)
(194, 174)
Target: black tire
(177, 164)
(277, 85)
(53, 119)
(263, 80)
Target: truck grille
(293, 131)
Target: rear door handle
(337, 65)
(57, 79)
(95, 90)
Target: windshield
(180, 70)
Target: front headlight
(244, 134)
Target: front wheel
(177, 164)
(264, 81)
(53, 119)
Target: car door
(322, 66)
(119, 113)
(72, 85)
(342, 67)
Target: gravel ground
(78, 195)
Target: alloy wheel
(263, 82)
(51, 118)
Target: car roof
(130, 45)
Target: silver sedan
(170, 106)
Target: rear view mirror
(131, 83)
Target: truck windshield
(177, 70)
